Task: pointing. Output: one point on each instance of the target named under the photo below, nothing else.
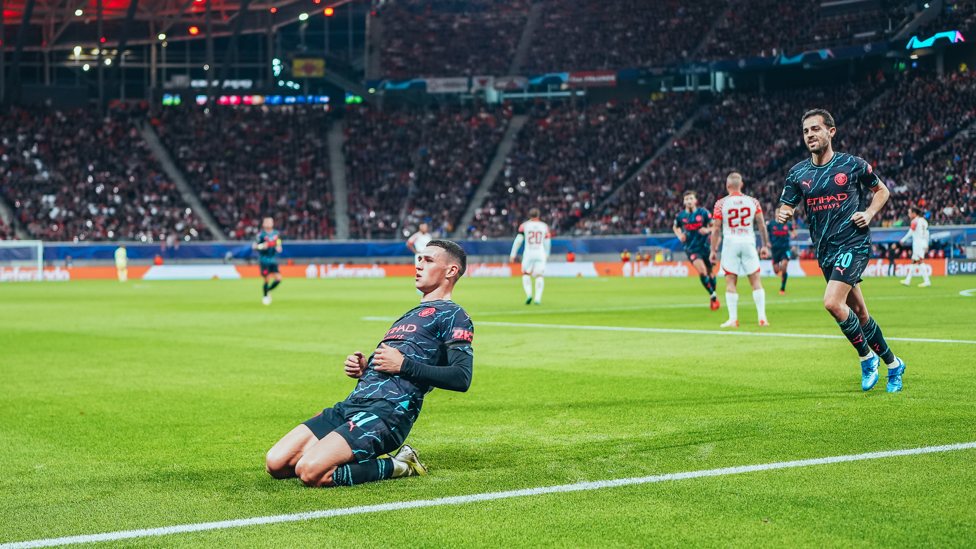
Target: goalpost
(21, 260)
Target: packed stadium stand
(583, 35)
(760, 28)
(569, 158)
(407, 166)
(80, 175)
(6, 233)
(451, 38)
(252, 161)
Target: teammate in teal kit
(841, 195)
(268, 246)
(693, 230)
(779, 237)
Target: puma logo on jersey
(807, 183)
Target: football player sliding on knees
(733, 221)
(429, 347)
(842, 194)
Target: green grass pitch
(149, 404)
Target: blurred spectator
(759, 28)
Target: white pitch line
(489, 496)
(708, 332)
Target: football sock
(274, 285)
(911, 271)
(371, 470)
(732, 303)
(925, 274)
(877, 341)
(527, 285)
(265, 288)
(714, 282)
(707, 283)
(540, 284)
(759, 296)
(785, 276)
(852, 329)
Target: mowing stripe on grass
(490, 496)
(709, 332)
(698, 305)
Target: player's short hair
(735, 177)
(534, 212)
(687, 194)
(917, 210)
(455, 251)
(828, 120)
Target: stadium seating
(248, 162)
(760, 28)
(6, 233)
(80, 175)
(568, 159)
(580, 35)
(436, 38)
(409, 166)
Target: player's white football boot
(925, 285)
(266, 300)
(730, 324)
(764, 323)
(408, 455)
(905, 282)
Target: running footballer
(842, 195)
(428, 347)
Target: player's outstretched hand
(355, 365)
(764, 252)
(862, 219)
(387, 359)
(784, 214)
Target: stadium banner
(308, 68)
(956, 267)
(511, 83)
(589, 79)
(64, 274)
(191, 272)
(447, 85)
(482, 83)
(879, 267)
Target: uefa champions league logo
(953, 267)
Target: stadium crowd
(582, 35)
(248, 162)
(83, 175)
(416, 165)
(450, 38)
(567, 159)
(761, 28)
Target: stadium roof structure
(65, 24)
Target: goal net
(21, 260)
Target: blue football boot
(894, 376)
(869, 372)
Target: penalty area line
(705, 332)
(473, 498)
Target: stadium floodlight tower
(21, 260)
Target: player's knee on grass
(314, 473)
(277, 463)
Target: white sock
(401, 469)
(527, 285)
(911, 271)
(540, 284)
(759, 296)
(924, 273)
(732, 304)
